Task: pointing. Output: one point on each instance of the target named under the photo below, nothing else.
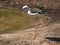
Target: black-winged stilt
(34, 11)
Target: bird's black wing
(36, 11)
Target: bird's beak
(22, 8)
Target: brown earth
(25, 37)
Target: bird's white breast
(29, 12)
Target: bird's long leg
(37, 26)
(36, 33)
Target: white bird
(33, 11)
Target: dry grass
(12, 19)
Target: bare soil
(25, 37)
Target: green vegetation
(13, 19)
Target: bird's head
(25, 7)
